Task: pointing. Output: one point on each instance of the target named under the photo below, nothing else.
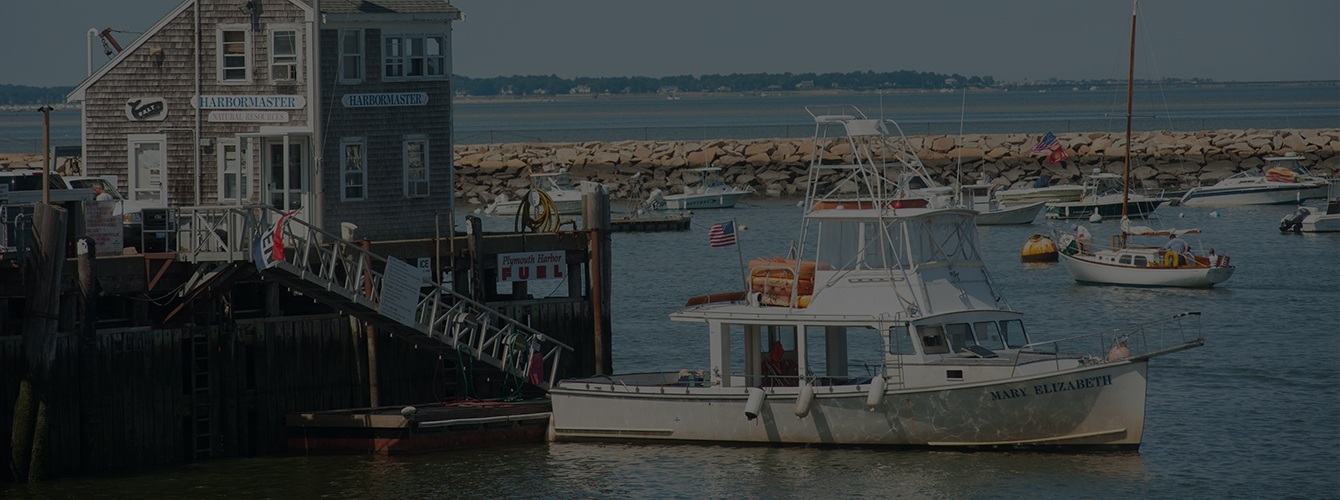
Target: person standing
(1083, 237)
(1176, 251)
(100, 193)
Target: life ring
(1172, 259)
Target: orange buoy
(1038, 248)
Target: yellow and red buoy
(1038, 248)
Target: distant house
(241, 106)
(580, 89)
(805, 85)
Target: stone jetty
(777, 167)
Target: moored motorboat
(1106, 195)
(552, 190)
(990, 212)
(1023, 196)
(884, 329)
(708, 191)
(1284, 181)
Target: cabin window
(233, 178)
(933, 339)
(1141, 261)
(351, 56)
(899, 341)
(1124, 260)
(1013, 332)
(414, 57)
(284, 55)
(988, 335)
(355, 180)
(960, 336)
(416, 167)
(148, 167)
(234, 55)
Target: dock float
(420, 428)
(677, 222)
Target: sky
(46, 41)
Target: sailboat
(1126, 264)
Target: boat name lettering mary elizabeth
(251, 102)
(1084, 383)
(395, 99)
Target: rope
(544, 220)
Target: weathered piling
(44, 267)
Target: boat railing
(1136, 342)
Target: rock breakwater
(777, 167)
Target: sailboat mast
(1130, 91)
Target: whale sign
(146, 109)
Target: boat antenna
(1130, 91)
(958, 167)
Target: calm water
(746, 116)
(1253, 414)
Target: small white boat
(991, 212)
(550, 191)
(709, 191)
(1106, 195)
(886, 330)
(1327, 221)
(1285, 181)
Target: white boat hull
(1321, 223)
(1044, 194)
(1087, 270)
(1092, 406)
(564, 207)
(702, 201)
(1277, 194)
(1025, 214)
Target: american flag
(1048, 142)
(722, 234)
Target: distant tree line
(17, 95)
(748, 82)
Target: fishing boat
(708, 191)
(1107, 195)
(1284, 181)
(551, 191)
(990, 212)
(885, 328)
(1127, 264)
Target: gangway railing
(347, 275)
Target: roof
(387, 7)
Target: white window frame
(239, 170)
(416, 176)
(293, 61)
(351, 58)
(222, 56)
(411, 50)
(357, 171)
(132, 161)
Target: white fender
(805, 400)
(876, 394)
(755, 404)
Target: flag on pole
(722, 234)
(1049, 142)
(1058, 154)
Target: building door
(288, 176)
(148, 168)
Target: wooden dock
(676, 222)
(420, 428)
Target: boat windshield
(898, 243)
(995, 335)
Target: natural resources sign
(385, 100)
(526, 266)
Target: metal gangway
(344, 274)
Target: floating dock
(677, 222)
(419, 429)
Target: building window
(351, 56)
(415, 57)
(233, 178)
(416, 167)
(354, 183)
(234, 55)
(284, 55)
(148, 167)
